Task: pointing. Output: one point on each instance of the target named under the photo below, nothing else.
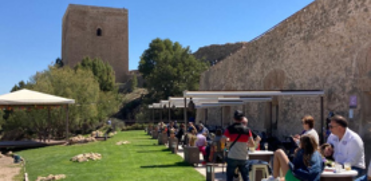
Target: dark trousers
(232, 164)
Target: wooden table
(343, 176)
(260, 155)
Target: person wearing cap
(239, 136)
(348, 145)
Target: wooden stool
(258, 172)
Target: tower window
(99, 32)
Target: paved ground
(219, 175)
(8, 169)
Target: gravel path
(8, 169)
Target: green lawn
(141, 160)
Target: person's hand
(297, 136)
(251, 142)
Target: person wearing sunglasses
(348, 145)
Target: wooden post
(185, 113)
(322, 138)
(221, 117)
(67, 122)
(169, 113)
(49, 120)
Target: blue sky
(30, 30)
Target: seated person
(172, 137)
(191, 127)
(201, 144)
(211, 149)
(308, 126)
(192, 138)
(348, 145)
(327, 151)
(169, 127)
(366, 177)
(203, 130)
(307, 164)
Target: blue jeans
(232, 164)
(360, 171)
(363, 178)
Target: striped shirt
(239, 149)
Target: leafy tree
(92, 105)
(21, 85)
(169, 69)
(134, 83)
(102, 71)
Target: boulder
(86, 157)
(51, 177)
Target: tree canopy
(93, 105)
(169, 69)
(102, 71)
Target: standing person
(348, 145)
(306, 166)
(256, 137)
(180, 132)
(238, 134)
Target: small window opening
(99, 32)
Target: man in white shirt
(348, 146)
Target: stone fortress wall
(324, 46)
(80, 37)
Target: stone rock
(122, 142)
(86, 157)
(97, 133)
(80, 139)
(9, 154)
(51, 177)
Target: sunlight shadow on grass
(177, 164)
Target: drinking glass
(347, 166)
(266, 146)
(338, 167)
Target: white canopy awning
(213, 94)
(26, 97)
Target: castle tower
(96, 32)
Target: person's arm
(354, 152)
(251, 142)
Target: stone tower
(96, 32)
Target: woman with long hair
(306, 166)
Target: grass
(20, 176)
(140, 160)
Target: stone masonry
(96, 32)
(216, 53)
(325, 46)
